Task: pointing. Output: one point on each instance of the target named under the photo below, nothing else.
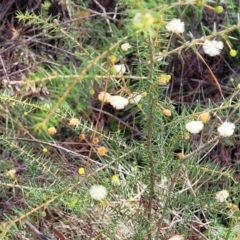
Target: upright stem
(149, 136)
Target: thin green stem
(149, 134)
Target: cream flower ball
(226, 129)
(222, 196)
(135, 98)
(120, 69)
(125, 46)
(194, 127)
(73, 122)
(52, 130)
(118, 102)
(176, 26)
(213, 47)
(177, 237)
(98, 192)
(104, 97)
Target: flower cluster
(226, 129)
(210, 47)
(119, 102)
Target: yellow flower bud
(112, 59)
(180, 155)
(164, 79)
(115, 180)
(81, 171)
(11, 173)
(200, 2)
(139, 105)
(186, 136)
(233, 53)
(95, 140)
(102, 151)
(52, 130)
(233, 207)
(104, 97)
(44, 150)
(73, 122)
(205, 117)
(167, 112)
(82, 136)
(43, 213)
(219, 9)
(91, 91)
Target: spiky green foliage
(168, 180)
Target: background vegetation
(58, 139)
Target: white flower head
(135, 98)
(118, 102)
(176, 26)
(120, 69)
(194, 126)
(98, 192)
(213, 47)
(222, 196)
(226, 129)
(125, 46)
